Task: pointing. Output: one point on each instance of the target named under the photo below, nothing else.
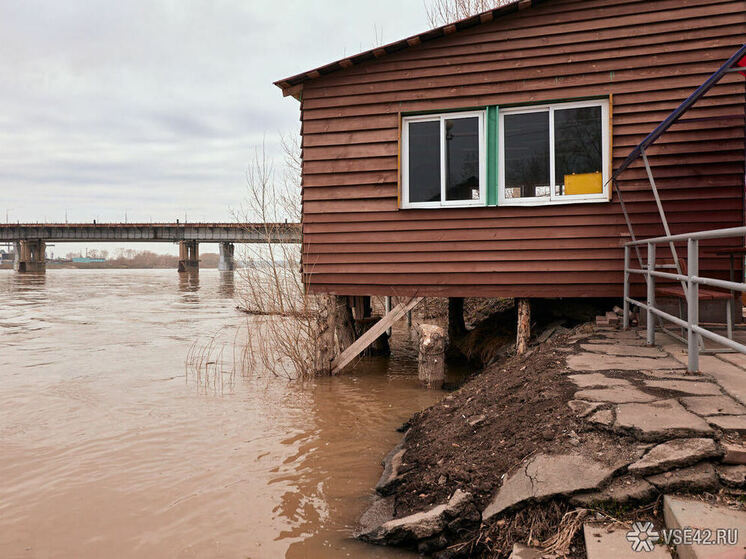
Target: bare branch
(443, 12)
(285, 332)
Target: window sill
(440, 206)
(553, 202)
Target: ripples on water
(110, 446)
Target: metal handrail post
(693, 304)
(662, 214)
(651, 295)
(625, 318)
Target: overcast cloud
(153, 107)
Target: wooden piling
(523, 332)
(322, 362)
(456, 325)
(345, 324)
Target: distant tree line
(131, 258)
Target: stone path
(727, 369)
(679, 419)
(657, 399)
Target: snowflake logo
(643, 536)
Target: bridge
(30, 238)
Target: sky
(152, 108)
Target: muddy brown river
(111, 445)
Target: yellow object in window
(584, 183)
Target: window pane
(526, 155)
(424, 161)
(578, 151)
(462, 158)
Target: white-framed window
(554, 154)
(444, 160)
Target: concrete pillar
(30, 256)
(431, 365)
(188, 256)
(226, 263)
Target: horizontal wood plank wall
(650, 54)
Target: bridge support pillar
(30, 257)
(188, 256)
(226, 263)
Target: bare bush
(443, 12)
(289, 330)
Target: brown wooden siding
(650, 54)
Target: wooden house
(475, 159)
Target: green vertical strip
(492, 147)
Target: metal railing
(690, 282)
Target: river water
(111, 445)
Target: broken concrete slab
(391, 464)
(731, 378)
(675, 454)
(579, 336)
(622, 335)
(660, 420)
(610, 542)
(734, 453)
(735, 423)
(588, 380)
(521, 551)
(737, 359)
(605, 340)
(713, 405)
(701, 477)
(615, 394)
(732, 476)
(420, 525)
(621, 490)
(674, 349)
(546, 475)
(604, 418)
(699, 388)
(593, 362)
(668, 374)
(379, 512)
(680, 513)
(582, 408)
(624, 350)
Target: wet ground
(112, 446)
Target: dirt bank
(469, 441)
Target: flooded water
(110, 446)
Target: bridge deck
(152, 232)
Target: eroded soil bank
(529, 448)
